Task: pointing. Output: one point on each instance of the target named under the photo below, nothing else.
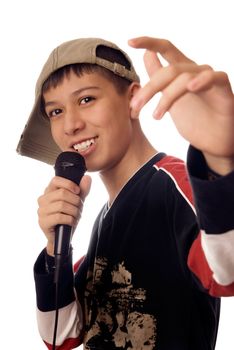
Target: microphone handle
(63, 235)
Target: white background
(29, 30)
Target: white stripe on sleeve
(219, 252)
(70, 323)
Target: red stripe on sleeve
(77, 264)
(68, 344)
(176, 169)
(199, 266)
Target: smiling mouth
(83, 146)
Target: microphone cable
(56, 313)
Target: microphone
(71, 166)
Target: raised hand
(199, 99)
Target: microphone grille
(70, 165)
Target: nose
(73, 121)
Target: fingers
(188, 82)
(181, 76)
(207, 78)
(60, 182)
(61, 203)
(168, 51)
(200, 100)
(58, 207)
(191, 82)
(167, 81)
(172, 93)
(152, 62)
(160, 77)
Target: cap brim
(36, 140)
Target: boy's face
(88, 115)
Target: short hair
(120, 84)
(110, 54)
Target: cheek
(119, 135)
(118, 117)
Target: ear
(133, 88)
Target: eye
(86, 100)
(54, 112)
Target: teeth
(83, 145)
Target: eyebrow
(74, 93)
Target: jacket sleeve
(70, 323)
(211, 257)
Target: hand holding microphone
(71, 166)
(62, 201)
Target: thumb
(85, 185)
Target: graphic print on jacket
(116, 320)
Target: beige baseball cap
(36, 140)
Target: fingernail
(131, 41)
(136, 104)
(77, 190)
(158, 114)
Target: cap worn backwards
(36, 140)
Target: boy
(156, 265)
